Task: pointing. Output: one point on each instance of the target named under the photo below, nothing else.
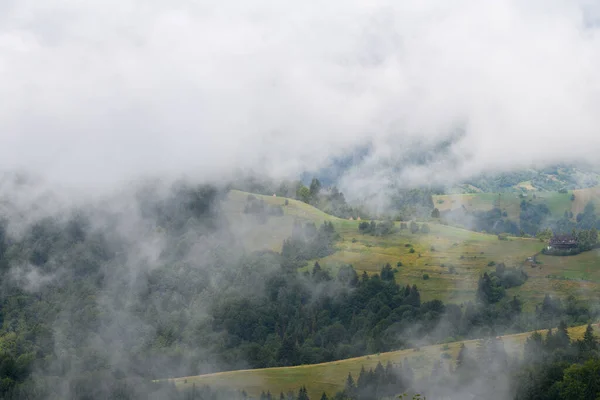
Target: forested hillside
(100, 300)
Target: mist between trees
(101, 300)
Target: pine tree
(590, 341)
(550, 343)
(562, 335)
(390, 375)
(387, 274)
(379, 374)
(361, 382)
(364, 277)
(316, 269)
(315, 188)
(533, 347)
(302, 394)
(350, 387)
(324, 396)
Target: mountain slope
(330, 377)
(453, 258)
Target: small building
(563, 242)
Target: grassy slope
(330, 377)
(469, 252)
(271, 234)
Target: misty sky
(104, 90)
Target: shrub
(432, 248)
(425, 277)
(503, 236)
(491, 263)
(412, 250)
(408, 245)
(287, 202)
(399, 264)
(353, 240)
(452, 269)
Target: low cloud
(107, 91)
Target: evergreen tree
(387, 274)
(590, 342)
(364, 277)
(562, 336)
(361, 382)
(288, 352)
(390, 374)
(315, 188)
(302, 394)
(350, 387)
(324, 396)
(533, 348)
(316, 269)
(379, 374)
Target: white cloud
(107, 90)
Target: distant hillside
(572, 201)
(531, 180)
(453, 258)
(510, 202)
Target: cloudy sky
(103, 90)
